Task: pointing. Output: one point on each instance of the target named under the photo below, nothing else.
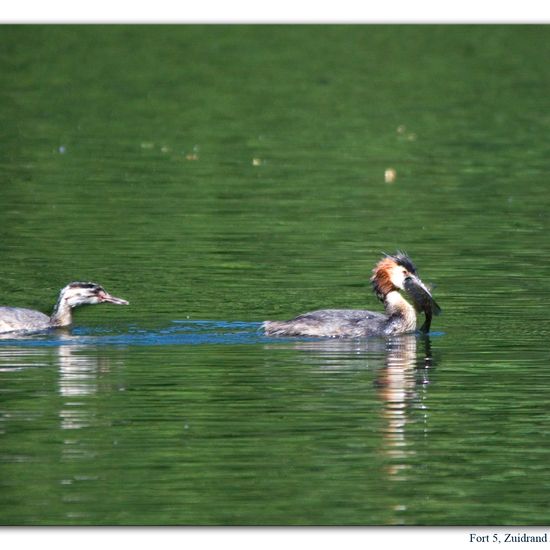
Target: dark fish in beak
(422, 299)
(105, 297)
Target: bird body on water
(391, 275)
(76, 294)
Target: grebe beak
(421, 296)
(106, 297)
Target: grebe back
(73, 295)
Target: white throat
(397, 306)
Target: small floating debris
(390, 175)
(402, 131)
(192, 156)
(62, 149)
(165, 149)
(256, 162)
(147, 144)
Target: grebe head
(79, 294)
(391, 273)
(397, 272)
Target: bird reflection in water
(81, 370)
(402, 366)
(401, 385)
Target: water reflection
(79, 368)
(397, 383)
(78, 377)
(393, 373)
(77, 372)
(14, 359)
(402, 365)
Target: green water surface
(232, 174)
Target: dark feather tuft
(403, 260)
(90, 286)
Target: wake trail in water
(178, 333)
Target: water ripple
(179, 332)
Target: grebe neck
(402, 316)
(62, 315)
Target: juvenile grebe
(390, 275)
(73, 295)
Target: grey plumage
(18, 318)
(390, 275)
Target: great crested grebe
(390, 275)
(74, 294)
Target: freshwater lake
(218, 176)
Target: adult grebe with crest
(392, 274)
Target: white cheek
(76, 300)
(398, 278)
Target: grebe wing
(18, 318)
